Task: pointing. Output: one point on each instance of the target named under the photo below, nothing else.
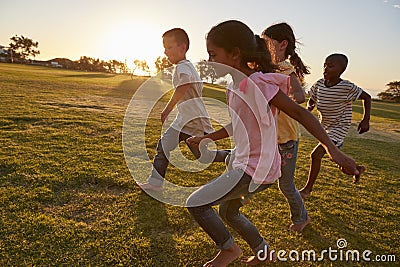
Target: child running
(333, 98)
(234, 45)
(192, 117)
(281, 43)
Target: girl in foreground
(254, 97)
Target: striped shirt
(334, 105)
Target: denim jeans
(226, 191)
(170, 141)
(288, 151)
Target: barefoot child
(233, 44)
(281, 43)
(192, 117)
(333, 98)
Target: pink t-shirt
(255, 127)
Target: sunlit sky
(366, 31)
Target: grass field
(67, 197)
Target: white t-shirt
(334, 105)
(192, 117)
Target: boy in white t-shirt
(192, 118)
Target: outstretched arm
(364, 124)
(308, 120)
(214, 136)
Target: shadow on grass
(90, 75)
(126, 88)
(338, 232)
(154, 224)
(67, 105)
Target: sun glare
(132, 41)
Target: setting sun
(130, 41)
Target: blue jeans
(288, 151)
(170, 141)
(226, 191)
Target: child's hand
(194, 141)
(346, 164)
(310, 106)
(363, 126)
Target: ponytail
(298, 64)
(262, 58)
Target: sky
(367, 31)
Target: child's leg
(287, 186)
(168, 142)
(229, 212)
(225, 257)
(315, 165)
(210, 222)
(229, 186)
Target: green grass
(67, 197)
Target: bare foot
(148, 186)
(254, 260)
(224, 257)
(299, 227)
(356, 178)
(305, 193)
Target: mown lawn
(67, 197)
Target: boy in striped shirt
(333, 98)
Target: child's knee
(229, 211)
(222, 211)
(161, 146)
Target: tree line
(392, 92)
(22, 48)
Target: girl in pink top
(254, 98)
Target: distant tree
(162, 63)
(141, 65)
(97, 65)
(110, 66)
(91, 64)
(136, 64)
(85, 63)
(23, 47)
(121, 67)
(206, 71)
(124, 67)
(163, 67)
(392, 93)
(145, 67)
